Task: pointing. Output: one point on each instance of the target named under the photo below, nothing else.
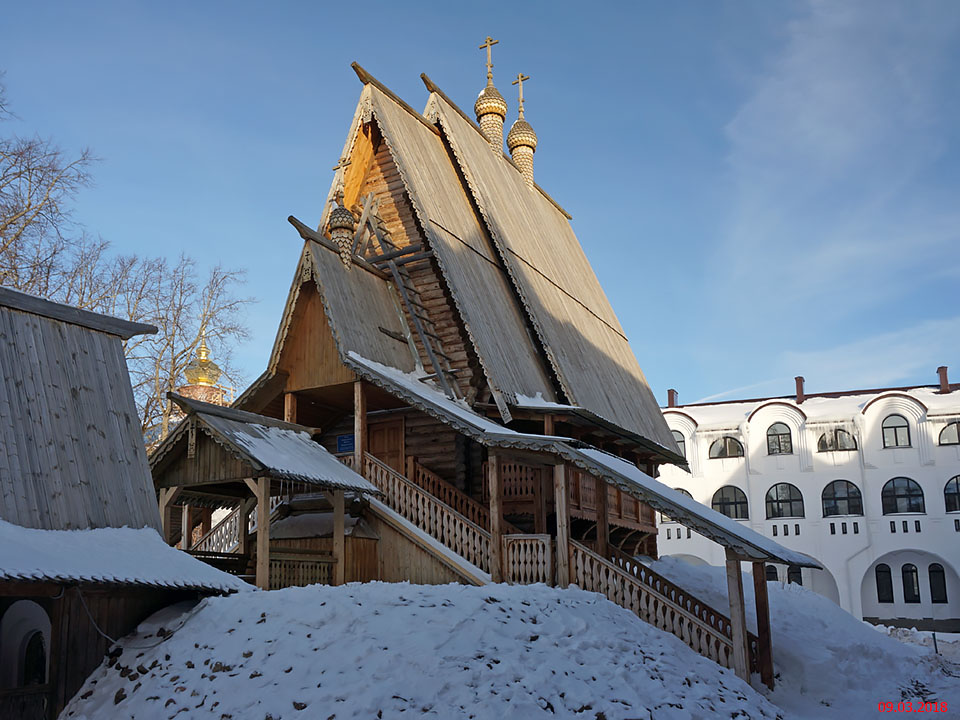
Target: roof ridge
(25, 302)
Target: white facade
(849, 546)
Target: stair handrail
(648, 603)
(433, 516)
(225, 535)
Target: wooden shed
(80, 557)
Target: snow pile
(396, 650)
(828, 664)
(105, 555)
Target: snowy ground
(828, 663)
(397, 650)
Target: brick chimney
(671, 398)
(944, 381)
(800, 395)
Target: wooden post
(290, 407)
(185, 535)
(560, 495)
(539, 505)
(263, 533)
(603, 518)
(548, 424)
(738, 618)
(206, 520)
(166, 498)
(339, 539)
(496, 517)
(359, 424)
(243, 529)
(765, 646)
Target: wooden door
(385, 442)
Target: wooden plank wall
(402, 560)
(211, 464)
(71, 452)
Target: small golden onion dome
(202, 370)
(341, 219)
(521, 134)
(490, 101)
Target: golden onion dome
(341, 219)
(202, 370)
(490, 101)
(521, 134)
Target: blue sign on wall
(345, 443)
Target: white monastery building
(867, 482)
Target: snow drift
(394, 650)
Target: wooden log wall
(397, 214)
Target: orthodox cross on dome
(521, 79)
(341, 165)
(489, 43)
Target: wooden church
(446, 338)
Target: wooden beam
(738, 618)
(290, 407)
(243, 529)
(185, 535)
(359, 424)
(765, 646)
(560, 495)
(166, 498)
(539, 504)
(603, 518)
(339, 539)
(496, 517)
(549, 424)
(263, 533)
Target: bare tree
(45, 253)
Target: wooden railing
(297, 569)
(528, 559)
(709, 636)
(622, 508)
(225, 535)
(434, 517)
(661, 585)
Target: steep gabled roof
(574, 321)
(71, 452)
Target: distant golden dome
(341, 219)
(202, 370)
(490, 101)
(521, 134)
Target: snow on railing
(592, 572)
(528, 559)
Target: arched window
(784, 501)
(938, 583)
(772, 573)
(681, 443)
(842, 497)
(884, 584)
(33, 670)
(911, 583)
(896, 431)
(663, 515)
(902, 495)
(726, 447)
(779, 441)
(951, 494)
(731, 501)
(794, 576)
(24, 645)
(950, 435)
(836, 439)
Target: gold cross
(521, 78)
(489, 43)
(340, 165)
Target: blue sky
(764, 189)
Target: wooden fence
(708, 634)
(431, 515)
(528, 559)
(289, 568)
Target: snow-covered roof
(685, 510)
(626, 476)
(105, 555)
(283, 451)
